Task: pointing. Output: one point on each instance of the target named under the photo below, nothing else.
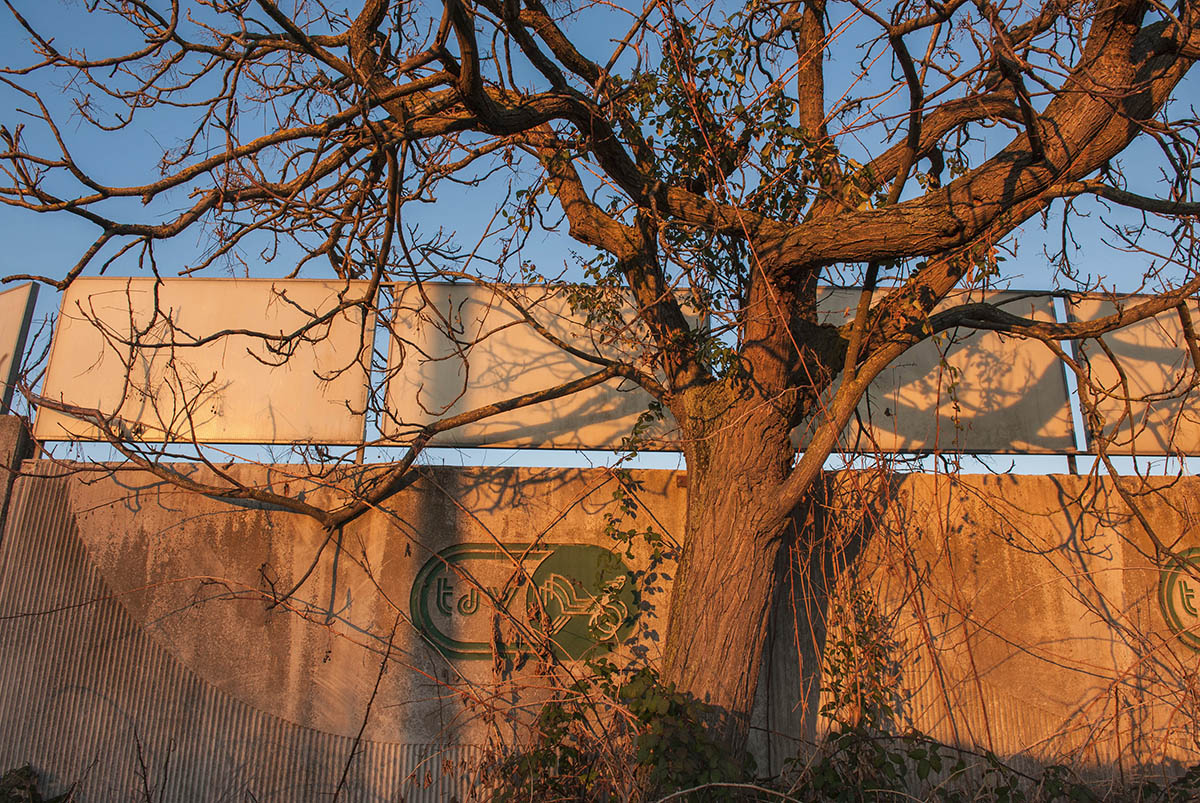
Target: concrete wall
(1029, 620)
(132, 613)
(141, 649)
(14, 447)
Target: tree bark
(738, 455)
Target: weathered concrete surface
(137, 626)
(1029, 621)
(14, 447)
(203, 574)
(1025, 615)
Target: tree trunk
(738, 457)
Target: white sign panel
(182, 359)
(16, 312)
(494, 354)
(964, 390)
(1157, 366)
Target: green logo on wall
(581, 596)
(1179, 596)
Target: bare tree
(697, 151)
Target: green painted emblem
(581, 596)
(1179, 596)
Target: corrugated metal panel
(90, 700)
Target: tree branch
(1158, 206)
(395, 478)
